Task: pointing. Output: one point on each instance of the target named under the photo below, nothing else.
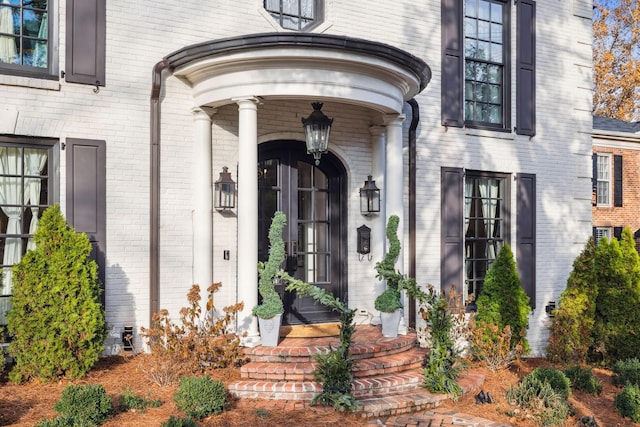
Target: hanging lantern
(317, 128)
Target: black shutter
(86, 195)
(526, 68)
(617, 233)
(452, 64)
(594, 179)
(451, 228)
(617, 181)
(526, 233)
(86, 39)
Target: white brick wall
(141, 33)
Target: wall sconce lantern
(317, 128)
(127, 338)
(364, 242)
(224, 191)
(549, 308)
(369, 197)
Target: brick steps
(387, 377)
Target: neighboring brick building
(616, 172)
(473, 117)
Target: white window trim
(604, 230)
(610, 180)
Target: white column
(394, 189)
(202, 199)
(248, 217)
(378, 239)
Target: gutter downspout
(415, 119)
(154, 211)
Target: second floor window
(24, 35)
(604, 180)
(296, 15)
(485, 54)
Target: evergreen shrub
(129, 401)
(199, 397)
(180, 422)
(558, 381)
(85, 404)
(56, 321)
(583, 379)
(627, 402)
(539, 400)
(626, 372)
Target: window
(25, 36)
(476, 66)
(486, 87)
(25, 172)
(484, 225)
(602, 232)
(296, 15)
(603, 184)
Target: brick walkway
(436, 418)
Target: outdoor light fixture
(224, 191)
(364, 242)
(127, 338)
(316, 130)
(369, 197)
(549, 308)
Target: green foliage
(627, 402)
(388, 301)
(199, 397)
(626, 372)
(198, 341)
(333, 369)
(538, 399)
(572, 324)
(56, 321)
(617, 319)
(583, 379)
(180, 422)
(271, 304)
(556, 379)
(443, 365)
(85, 404)
(63, 421)
(130, 401)
(502, 300)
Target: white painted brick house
(473, 118)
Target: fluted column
(248, 217)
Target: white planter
(390, 323)
(270, 330)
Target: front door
(310, 197)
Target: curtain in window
(10, 194)
(40, 51)
(35, 160)
(489, 194)
(7, 43)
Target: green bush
(502, 301)
(271, 304)
(626, 372)
(63, 421)
(87, 404)
(627, 402)
(556, 379)
(130, 401)
(199, 397)
(56, 321)
(572, 323)
(538, 399)
(583, 379)
(180, 422)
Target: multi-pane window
(602, 232)
(485, 211)
(24, 34)
(24, 195)
(485, 58)
(295, 14)
(604, 179)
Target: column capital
(393, 119)
(247, 100)
(376, 130)
(203, 111)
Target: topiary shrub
(556, 379)
(180, 422)
(626, 372)
(199, 397)
(86, 404)
(627, 402)
(572, 323)
(583, 379)
(537, 399)
(502, 301)
(271, 304)
(56, 321)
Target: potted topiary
(389, 303)
(269, 312)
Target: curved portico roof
(294, 65)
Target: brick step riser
(291, 358)
(293, 374)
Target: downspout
(154, 244)
(415, 119)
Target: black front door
(310, 197)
